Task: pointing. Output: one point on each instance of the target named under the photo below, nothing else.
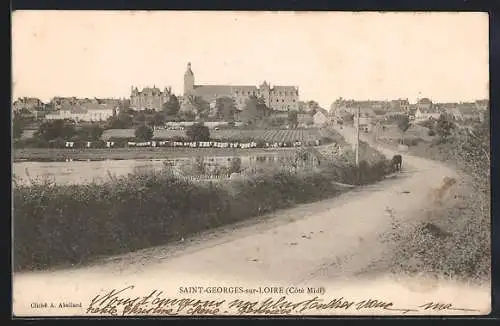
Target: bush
(31, 143)
(456, 242)
(198, 132)
(72, 223)
(143, 133)
(120, 142)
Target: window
(293, 100)
(283, 100)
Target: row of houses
(73, 108)
(304, 120)
(423, 109)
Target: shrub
(198, 132)
(57, 224)
(456, 243)
(143, 133)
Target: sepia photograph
(233, 163)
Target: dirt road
(323, 244)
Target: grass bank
(71, 224)
(454, 238)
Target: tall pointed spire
(188, 69)
(188, 80)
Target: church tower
(188, 80)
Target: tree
(403, 122)
(262, 110)
(122, 120)
(158, 119)
(150, 120)
(312, 107)
(93, 132)
(124, 104)
(298, 158)
(444, 126)
(197, 105)
(293, 118)
(188, 116)
(143, 133)
(198, 132)
(202, 107)
(225, 108)
(17, 126)
(250, 113)
(172, 106)
(52, 130)
(141, 118)
(88, 132)
(255, 110)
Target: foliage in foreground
(56, 224)
(455, 239)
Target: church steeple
(188, 80)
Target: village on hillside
(113, 115)
(228, 111)
(253, 163)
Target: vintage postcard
(177, 163)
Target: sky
(370, 55)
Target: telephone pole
(357, 138)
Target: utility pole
(357, 138)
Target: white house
(365, 123)
(320, 118)
(422, 114)
(424, 104)
(90, 112)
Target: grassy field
(307, 136)
(414, 132)
(268, 135)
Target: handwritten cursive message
(117, 303)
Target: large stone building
(85, 111)
(149, 98)
(279, 98)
